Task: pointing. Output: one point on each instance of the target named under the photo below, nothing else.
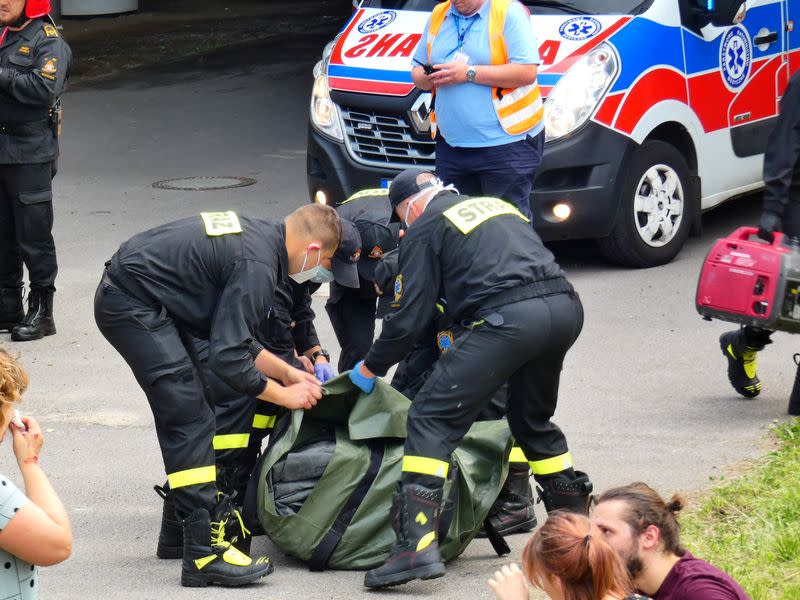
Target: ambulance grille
(386, 140)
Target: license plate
(385, 183)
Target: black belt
(537, 289)
(24, 127)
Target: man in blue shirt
(474, 151)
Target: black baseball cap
(377, 238)
(344, 263)
(405, 185)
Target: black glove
(769, 224)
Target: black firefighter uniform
(211, 277)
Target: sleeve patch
(50, 67)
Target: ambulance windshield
(592, 7)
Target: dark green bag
(344, 523)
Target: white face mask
(435, 186)
(304, 276)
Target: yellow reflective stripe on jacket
(517, 455)
(363, 193)
(518, 109)
(425, 466)
(230, 441)
(468, 214)
(264, 421)
(548, 466)
(192, 477)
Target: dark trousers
(504, 172)
(417, 366)
(352, 315)
(241, 422)
(527, 350)
(150, 342)
(26, 226)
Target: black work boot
(11, 311)
(568, 490)
(209, 558)
(170, 538)
(415, 554)
(742, 361)
(238, 535)
(512, 512)
(38, 322)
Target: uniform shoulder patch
(398, 288)
(50, 67)
(50, 31)
(444, 339)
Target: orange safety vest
(518, 110)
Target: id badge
(461, 57)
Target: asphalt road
(644, 391)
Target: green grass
(750, 526)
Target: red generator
(751, 281)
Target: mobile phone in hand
(17, 420)
(427, 67)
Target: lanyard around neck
(3, 35)
(462, 35)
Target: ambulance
(655, 111)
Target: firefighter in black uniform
(351, 306)
(517, 317)
(35, 63)
(781, 212)
(214, 277)
(513, 511)
(242, 422)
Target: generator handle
(745, 233)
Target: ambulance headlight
(324, 112)
(576, 95)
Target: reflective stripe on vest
(519, 109)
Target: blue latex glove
(324, 371)
(365, 384)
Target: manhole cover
(201, 184)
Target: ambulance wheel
(655, 212)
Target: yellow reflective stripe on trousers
(192, 477)
(231, 441)
(425, 466)
(517, 455)
(264, 421)
(548, 466)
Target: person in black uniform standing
(781, 212)
(212, 276)
(35, 64)
(351, 306)
(517, 317)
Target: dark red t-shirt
(695, 579)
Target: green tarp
(362, 425)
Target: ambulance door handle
(767, 38)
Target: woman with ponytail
(568, 560)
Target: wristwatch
(323, 353)
(471, 73)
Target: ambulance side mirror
(720, 13)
